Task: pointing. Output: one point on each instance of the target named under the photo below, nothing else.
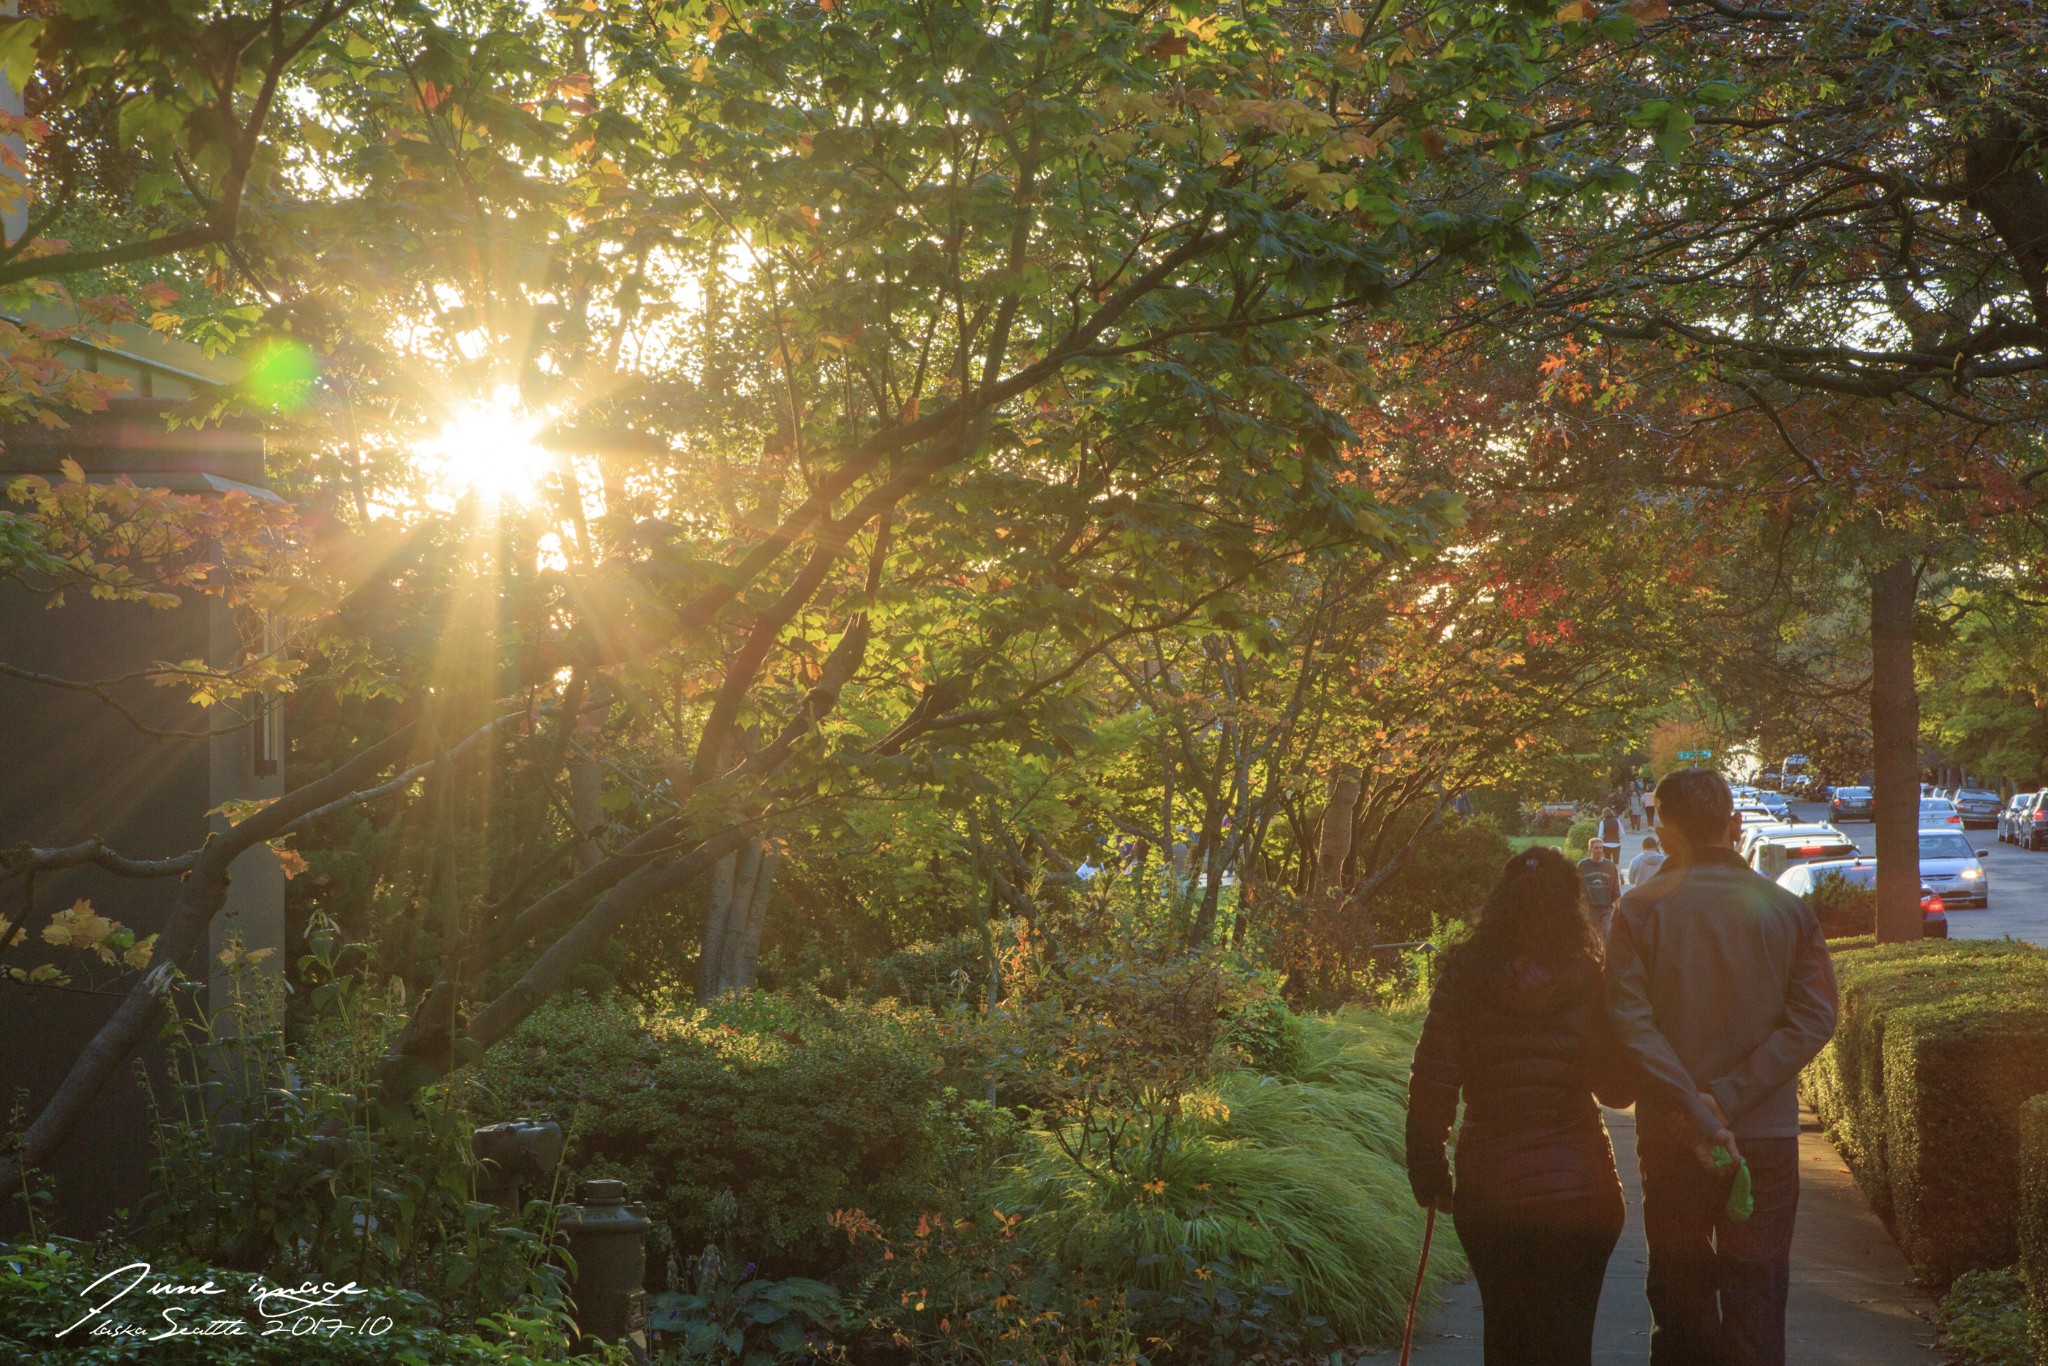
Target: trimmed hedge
(1940, 1046)
(2033, 1220)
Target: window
(1945, 845)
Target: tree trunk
(1334, 846)
(718, 898)
(1895, 751)
(1212, 892)
(743, 941)
(586, 781)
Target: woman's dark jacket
(1528, 1047)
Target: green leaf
(18, 50)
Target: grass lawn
(1517, 843)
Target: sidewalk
(1853, 1299)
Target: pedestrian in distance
(1650, 807)
(1635, 807)
(1645, 865)
(1720, 986)
(1601, 877)
(1518, 1030)
(1610, 829)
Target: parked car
(1862, 872)
(1978, 807)
(2008, 819)
(1775, 803)
(2030, 824)
(1939, 811)
(1775, 852)
(1812, 830)
(1951, 867)
(1933, 915)
(1851, 804)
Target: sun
(491, 447)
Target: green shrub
(1940, 1045)
(745, 1125)
(1267, 1035)
(1582, 832)
(935, 974)
(2033, 1220)
(724, 1314)
(1450, 873)
(1983, 1322)
(1846, 910)
(280, 1157)
(1292, 1181)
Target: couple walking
(1711, 988)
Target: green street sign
(1693, 754)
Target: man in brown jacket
(1720, 985)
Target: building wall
(74, 768)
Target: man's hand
(1704, 1150)
(1723, 1137)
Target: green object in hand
(1741, 1200)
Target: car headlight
(1973, 872)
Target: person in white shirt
(1644, 866)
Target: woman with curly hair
(1518, 1028)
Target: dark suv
(1851, 804)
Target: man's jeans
(1717, 1288)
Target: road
(2019, 883)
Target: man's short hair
(1697, 802)
(1652, 842)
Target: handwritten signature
(297, 1310)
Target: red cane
(1415, 1296)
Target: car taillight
(1934, 905)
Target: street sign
(1695, 754)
